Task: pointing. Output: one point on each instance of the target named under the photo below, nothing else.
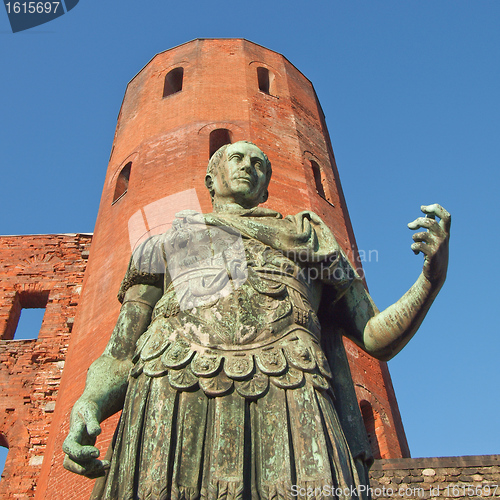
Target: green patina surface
(227, 387)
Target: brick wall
(439, 478)
(35, 271)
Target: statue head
(238, 173)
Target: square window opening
(29, 324)
(26, 316)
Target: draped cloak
(237, 391)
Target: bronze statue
(227, 388)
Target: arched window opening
(369, 420)
(266, 80)
(218, 138)
(26, 316)
(4, 450)
(263, 78)
(122, 182)
(317, 179)
(173, 82)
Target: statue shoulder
(147, 265)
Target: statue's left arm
(384, 333)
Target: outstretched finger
(421, 247)
(425, 236)
(427, 223)
(436, 210)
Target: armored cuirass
(234, 311)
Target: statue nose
(246, 165)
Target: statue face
(241, 176)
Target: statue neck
(230, 208)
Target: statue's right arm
(384, 333)
(106, 383)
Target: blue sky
(410, 90)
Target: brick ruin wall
(36, 271)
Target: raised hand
(434, 242)
(81, 454)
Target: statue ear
(209, 182)
(265, 196)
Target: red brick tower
(183, 105)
